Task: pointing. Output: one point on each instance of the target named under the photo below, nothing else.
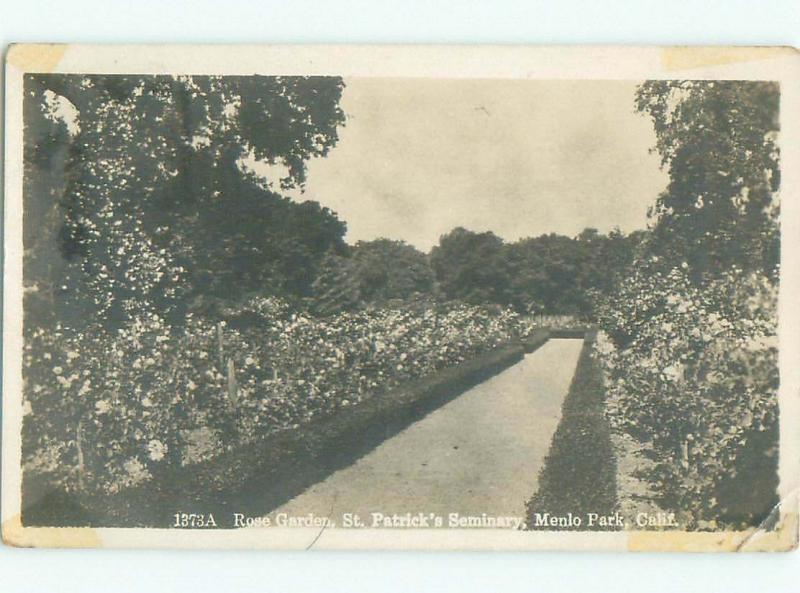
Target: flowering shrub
(692, 374)
(157, 396)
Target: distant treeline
(550, 274)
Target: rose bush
(156, 395)
(691, 372)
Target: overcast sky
(520, 158)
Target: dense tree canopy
(546, 274)
(392, 270)
(472, 267)
(370, 273)
(142, 184)
(558, 274)
(718, 141)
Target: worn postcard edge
(486, 62)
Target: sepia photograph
(348, 303)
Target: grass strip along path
(578, 477)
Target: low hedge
(579, 472)
(536, 340)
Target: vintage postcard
(351, 297)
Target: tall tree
(547, 273)
(472, 267)
(392, 270)
(717, 139)
(154, 202)
(372, 273)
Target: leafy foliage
(718, 140)
(375, 273)
(557, 274)
(150, 394)
(697, 382)
(472, 267)
(689, 345)
(151, 203)
(551, 274)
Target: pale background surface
(409, 21)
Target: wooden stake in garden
(220, 345)
(233, 390)
(685, 454)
